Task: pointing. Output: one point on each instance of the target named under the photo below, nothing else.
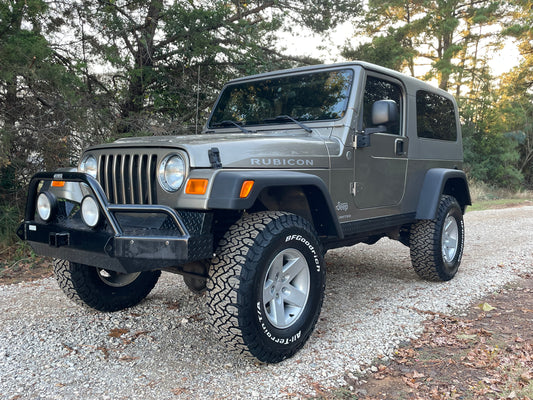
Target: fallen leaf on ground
(486, 307)
(117, 332)
(417, 375)
(128, 358)
(466, 337)
(525, 377)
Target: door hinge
(353, 188)
(360, 140)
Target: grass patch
(485, 197)
(498, 203)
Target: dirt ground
(486, 353)
(24, 270)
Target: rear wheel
(437, 245)
(101, 289)
(266, 285)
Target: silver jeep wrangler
(290, 164)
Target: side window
(380, 89)
(435, 117)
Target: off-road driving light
(89, 165)
(171, 172)
(90, 211)
(46, 203)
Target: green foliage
(169, 59)
(491, 154)
(492, 158)
(515, 105)
(384, 51)
(83, 72)
(449, 34)
(134, 67)
(441, 33)
(10, 217)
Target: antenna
(197, 101)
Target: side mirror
(384, 112)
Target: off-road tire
(83, 285)
(239, 277)
(426, 242)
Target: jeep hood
(255, 150)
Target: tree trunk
(140, 76)
(446, 62)
(11, 104)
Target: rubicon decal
(280, 162)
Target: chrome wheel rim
(286, 288)
(116, 279)
(450, 238)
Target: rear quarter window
(435, 117)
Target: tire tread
(77, 283)
(425, 246)
(239, 251)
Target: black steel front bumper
(131, 238)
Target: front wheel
(437, 245)
(101, 289)
(266, 285)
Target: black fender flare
(440, 181)
(226, 188)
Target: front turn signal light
(196, 186)
(58, 183)
(246, 188)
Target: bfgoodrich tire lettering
(101, 289)
(437, 245)
(266, 285)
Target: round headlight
(45, 205)
(89, 165)
(171, 172)
(90, 211)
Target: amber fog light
(46, 204)
(90, 211)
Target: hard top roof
(412, 84)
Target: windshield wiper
(228, 122)
(289, 118)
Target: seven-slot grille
(128, 178)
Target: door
(380, 168)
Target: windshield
(308, 97)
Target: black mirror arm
(377, 129)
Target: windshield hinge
(214, 158)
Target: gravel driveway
(162, 349)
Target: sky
(306, 43)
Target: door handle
(399, 147)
